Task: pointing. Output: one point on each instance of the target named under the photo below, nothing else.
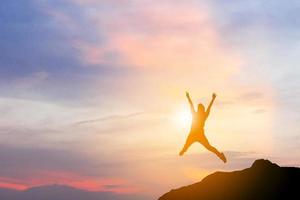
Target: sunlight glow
(183, 118)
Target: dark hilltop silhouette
(262, 181)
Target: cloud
(31, 81)
(252, 96)
(26, 167)
(110, 118)
(259, 111)
(140, 34)
(156, 49)
(38, 60)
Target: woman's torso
(198, 122)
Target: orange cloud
(177, 36)
(13, 186)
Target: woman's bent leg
(209, 147)
(188, 143)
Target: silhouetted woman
(197, 129)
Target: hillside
(262, 181)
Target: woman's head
(201, 108)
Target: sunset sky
(92, 92)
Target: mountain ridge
(263, 180)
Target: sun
(183, 118)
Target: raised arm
(190, 102)
(210, 104)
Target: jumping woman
(197, 128)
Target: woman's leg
(209, 147)
(188, 143)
